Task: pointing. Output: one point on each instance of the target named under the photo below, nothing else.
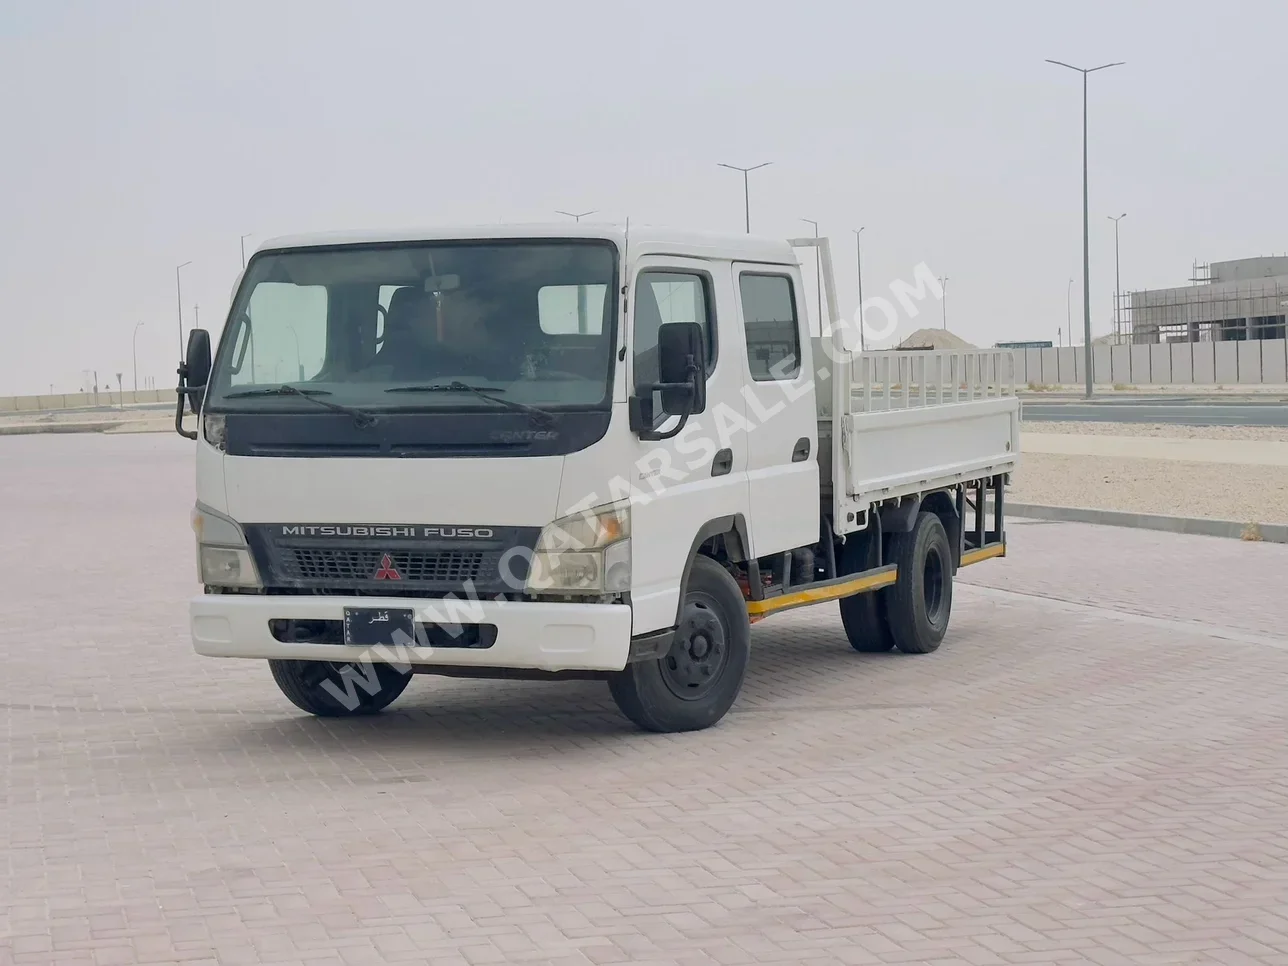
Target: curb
(105, 427)
(31, 429)
(1231, 529)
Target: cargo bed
(911, 422)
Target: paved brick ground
(1093, 770)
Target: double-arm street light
(1068, 311)
(134, 353)
(1118, 291)
(582, 310)
(178, 288)
(1086, 243)
(746, 191)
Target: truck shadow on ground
(793, 671)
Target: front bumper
(543, 636)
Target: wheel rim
(933, 584)
(700, 651)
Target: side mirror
(682, 370)
(682, 367)
(194, 373)
(197, 367)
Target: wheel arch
(943, 504)
(733, 534)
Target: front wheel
(337, 690)
(699, 679)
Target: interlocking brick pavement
(1093, 769)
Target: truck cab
(546, 452)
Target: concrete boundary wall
(83, 400)
(1262, 362)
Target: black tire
(863, 615)
(919, 604)
(697, 682)
(339, 690)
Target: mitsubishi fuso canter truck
(571, 452)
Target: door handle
(800, 452)
(723, 463)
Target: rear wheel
(696, 683)
(336, 690)
(919, 604)
(863, 615)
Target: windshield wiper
(363, 418)
(538, 416)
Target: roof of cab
(644, 239)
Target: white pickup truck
(570, 452)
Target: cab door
(782, 458)
(682, 485)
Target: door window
(771, 327)
(660, 297)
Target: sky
(141, 135)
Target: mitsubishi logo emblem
(387, 571)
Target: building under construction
(1237, 301)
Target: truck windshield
(422, 326)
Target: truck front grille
(297, 558)
(358, 566)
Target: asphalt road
(1175, 410)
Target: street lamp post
(134, 354)
(746, 190)
(818, 276)
(943, 299)
(299, 362)
(858, 263)
(581, 289)
(1086, 241)
(1068, 310)
(243, 247)
(178, 288)
(1118, 293)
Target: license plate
(374, 626)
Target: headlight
(215, 428)
(589, 530)
(223, 558)
(227, 567)
(584, 553)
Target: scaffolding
(1209, 309)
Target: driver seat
(406, 311)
